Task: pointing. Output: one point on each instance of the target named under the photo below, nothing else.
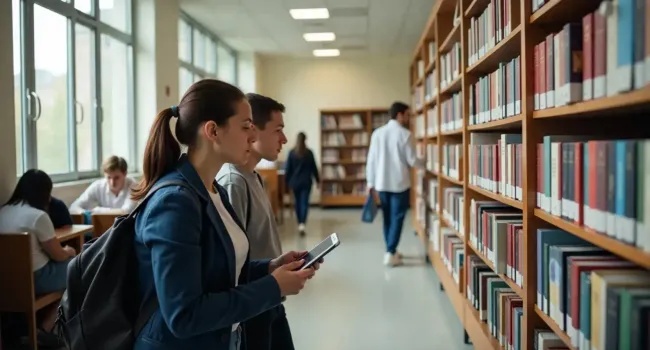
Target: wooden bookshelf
(606, 118)
(345, 138)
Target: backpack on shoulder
(101, 307)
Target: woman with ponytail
(191, 249)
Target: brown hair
(205, 100)
(113, 163)
(301, 144)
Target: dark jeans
(301, 199)
(393, 207)
(269, 331)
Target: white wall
(306, 85)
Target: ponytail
(160, 154)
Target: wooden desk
(73, 235)
(104, 220)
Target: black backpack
(101, 307)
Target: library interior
(461, 174)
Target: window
(198, 52)
(74, 89)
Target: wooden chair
(77, 219)
(103, 221)
(17, 281)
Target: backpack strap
(151, 305)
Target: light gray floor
(355, 303)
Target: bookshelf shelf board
(454, 86)
(430, 67)
(419, 81)
(476, 7)
(432, 136)
(451, 179)
(563, 11)
(452, 132)
(505, 50)
(432, 102)
(342, 200)
(478, 331)
(636, 98)
(452, 37)
(497, 197)
(555, 327)
(619, 248)
(501, 124)
(451, 227)
(451, 288)
(505, 278)
(432, 173)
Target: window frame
(191, 66)
(73, 16)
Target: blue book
(369, 211)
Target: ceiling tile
(347, 3)
(349, 26)
(304, 4)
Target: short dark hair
(113, 163)
(262, 107)
(397, 108)
(34, 189)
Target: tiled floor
(355, 303)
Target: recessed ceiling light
(319, 36)
(315, 13)
(327, 52)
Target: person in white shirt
(391, 154)
(27, 211)
(111, 192)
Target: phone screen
(318, 250)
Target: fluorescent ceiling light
(319, 36)
(327, 52)
(316, 13)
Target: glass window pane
(197, 78)
(85, 6)
(18, 88)
(116, 13)
(84, 106)
(226, 65)
(115, 98)
(51, 61)
(210, 56)
(184, 41)
(185, 81)
(199, 49)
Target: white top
(238, 237)
(98, 197)
(25, 218)
(391, 154)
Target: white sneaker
(392, 260)
(301, 229)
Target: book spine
(588, 57)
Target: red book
(600, 54)
(538, 87)
(542, 79)
(587, 57)
(579, 184)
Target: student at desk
(111, 192)
(27, 211)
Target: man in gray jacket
(269, 330)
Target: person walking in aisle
(191, 248)
(390, 156)
(269, 330)
(299, 171)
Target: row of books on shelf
(432, 121)
(433, 195)
(496, 95)
(342, 121)
(333, 155)
(604, 55)
(432, 158)
(340, 139)
(450, 65)
(426, 125)
(603, 185)
(489, 28)
(599, 300)
(340, 172)
(496, 163)
(496, 231)
(431, 50)
(451, 113)
(418, 103)
(379, 119)
(332, 189)
(431, 86)
(419, 129)
(452, 156)
(452, 253)
(453, 205)
(420, 211)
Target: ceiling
(362, 27)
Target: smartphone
(320, 250)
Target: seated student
(111, 192)
(26, 211)
(59, 213)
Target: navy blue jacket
(299, 171)
(186, 256)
